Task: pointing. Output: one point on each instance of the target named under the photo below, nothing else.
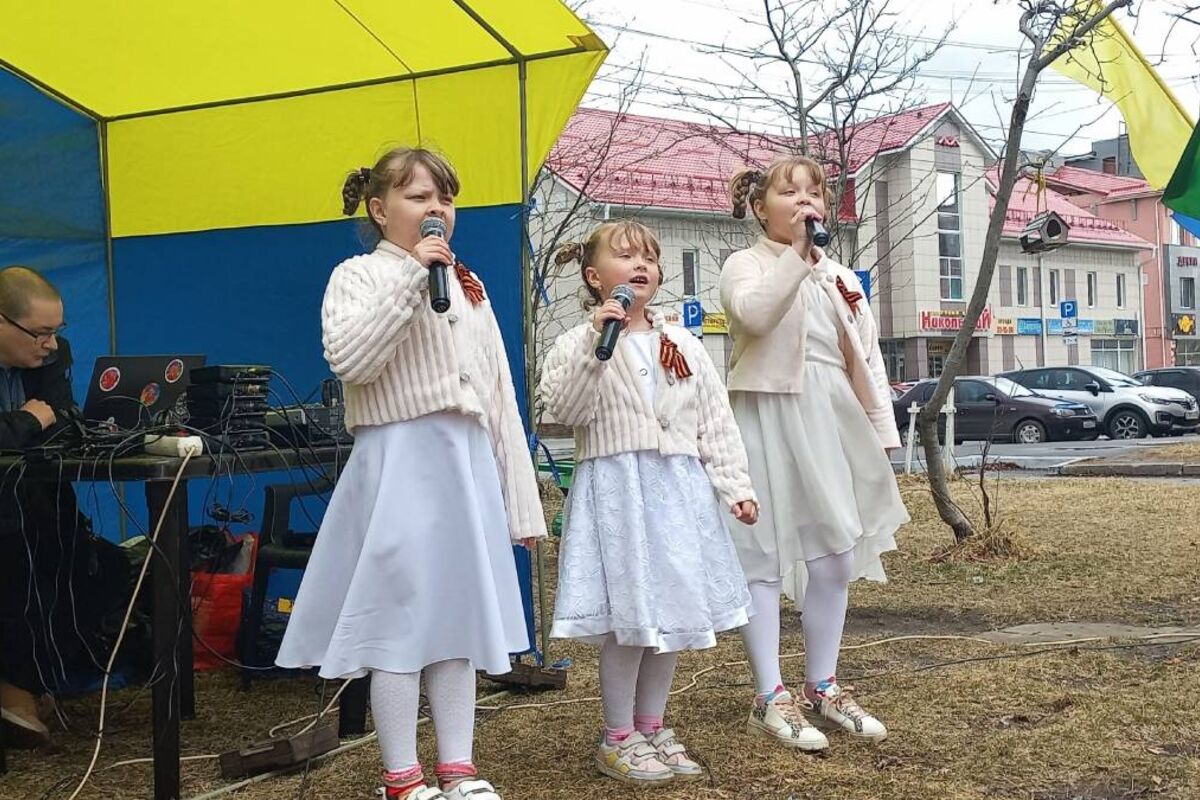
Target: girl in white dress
(810, 394)
(647, 567)
(413, 568)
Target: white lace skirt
(647, 557)
(825, 484)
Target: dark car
(1185, 378)
(999, 410)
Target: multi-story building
(1098, 269)
(1183, 265)
(1128, 201)
(913, 220)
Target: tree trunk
(927, 420)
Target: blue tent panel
(253, 295)
(51, 209)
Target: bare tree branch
(1040, 23)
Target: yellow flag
(1112, 64)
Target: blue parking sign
(693, 314)
(1068, 309)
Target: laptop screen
(131, 392)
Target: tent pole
(110, 272)
(111, 278)
(530, 343)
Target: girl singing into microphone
(647, 567)
(413, 568)
(811, 397)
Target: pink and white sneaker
(834, 706)
(633, 761)
(672, 753)
(779, 717)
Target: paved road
(1041, 456)
(1024, 456)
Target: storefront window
(1187, 352)
(893, 358)
(1118, 354)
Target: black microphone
(623, 294)
(817, 234)
(439, 287)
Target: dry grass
(1069, 724)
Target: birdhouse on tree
(1045, 232)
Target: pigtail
(355, 189)
(568, 252)
(741, 189)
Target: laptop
(131, 392)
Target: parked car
(1000, 410)
(1127, 408)
(1185, 378)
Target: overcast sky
(985, 42)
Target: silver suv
(1126, 408)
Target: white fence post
(913, 410)
(948, 448)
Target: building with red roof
(912, 220)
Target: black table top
(54, 467)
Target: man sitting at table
(49, 564)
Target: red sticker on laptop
(174, 371)
(150, 394)
(109, 379)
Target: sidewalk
(1172, 461)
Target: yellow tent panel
(229, 113)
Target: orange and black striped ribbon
(471, 286)
(850, 297)
(671, 359)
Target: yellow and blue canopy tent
(175, 168)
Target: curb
(1146, 470)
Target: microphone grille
(433, 226)
(623, 294)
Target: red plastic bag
(217, 610)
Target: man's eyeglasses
(40, 338)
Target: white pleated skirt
(413, 563)
(825, 484)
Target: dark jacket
(50, 383)
(25, 503)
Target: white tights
(634, 681)
(826, 597)
(395, 698)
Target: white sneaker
(672, 753)
(472, 789)
(778, 717)
(835, 706)
(633, 761)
